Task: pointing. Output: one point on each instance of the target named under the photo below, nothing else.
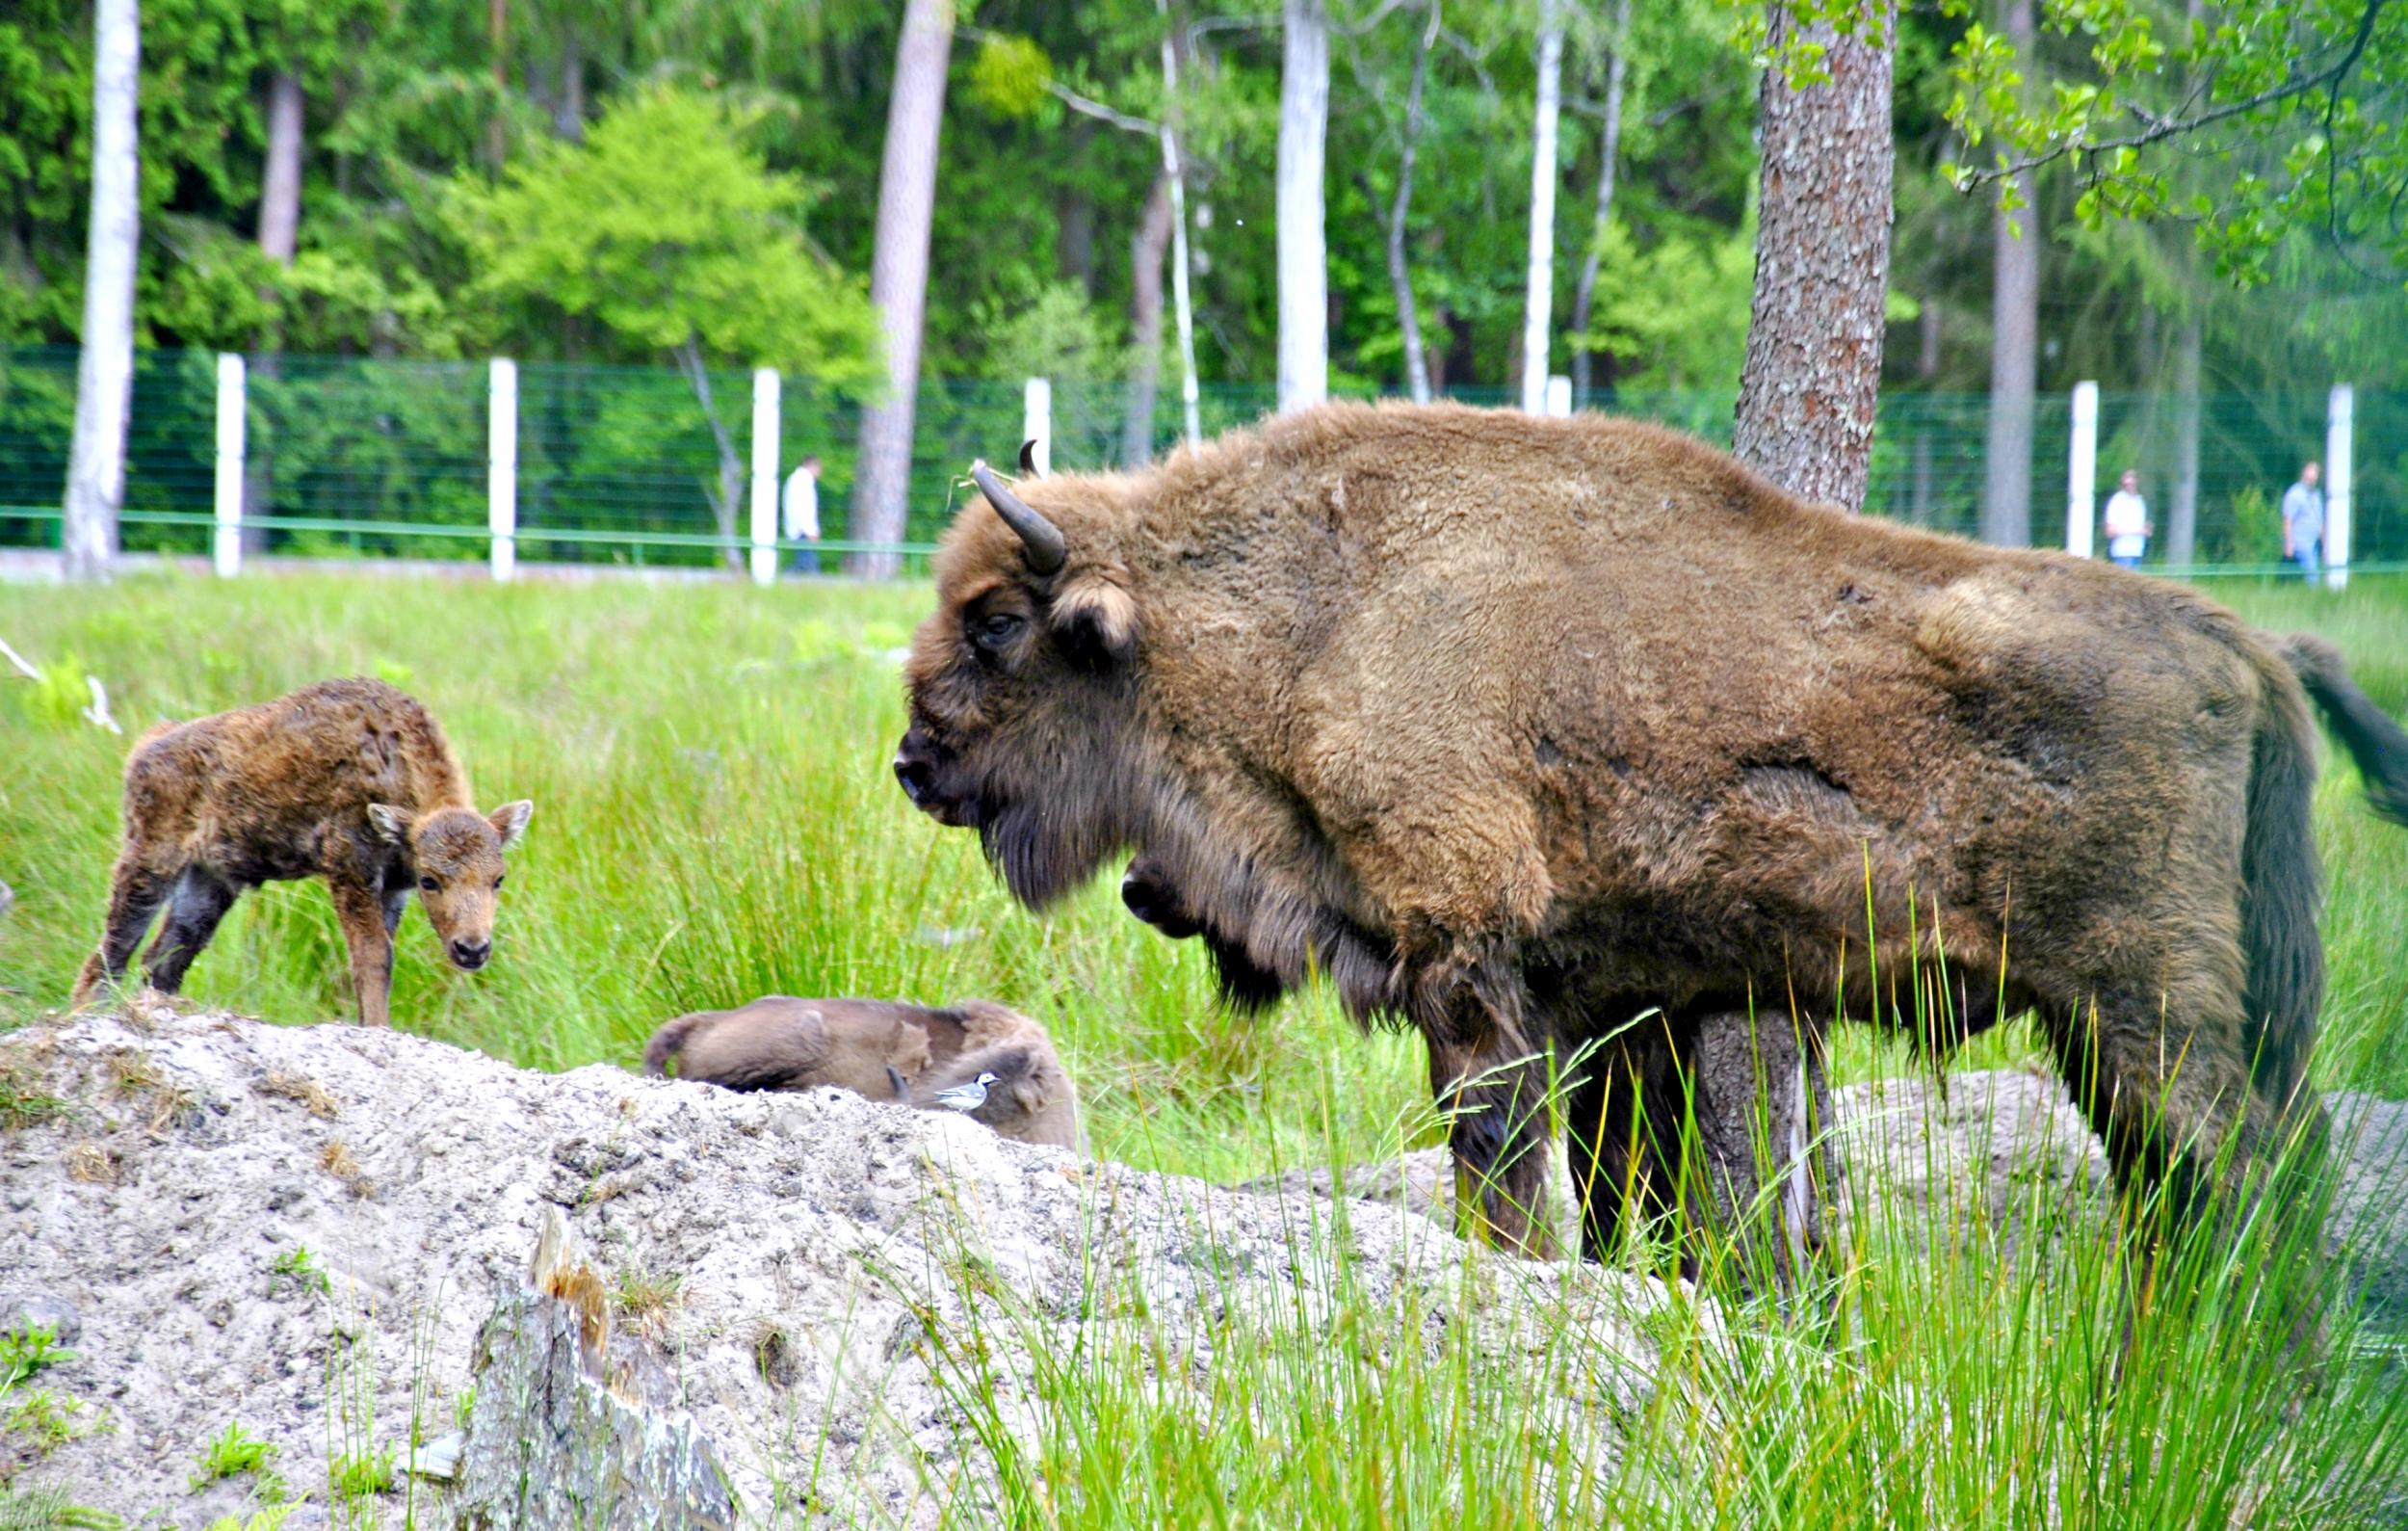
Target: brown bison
(885, 1050)
(349, 780)
(1516, 728)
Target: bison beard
(1681, 748)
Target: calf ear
(510, 821)
(1096, 620)
(390, 823)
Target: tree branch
(2157, 128)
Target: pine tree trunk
(1822, 260)
(1608, 157)
(279, 236)
(1147, 248)
(1928, 372)
(568, 112)
(1303, 254)
(1539, 288)
(899, 275)
(2182, 523)
(104, 382)
(2014, 345)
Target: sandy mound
(801, 1260)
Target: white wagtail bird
(966, 1097)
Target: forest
(686, 191)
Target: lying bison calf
(349, 780)
(885, 1050)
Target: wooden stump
(561, 1435)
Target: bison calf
(885, 1050)
(349, 780)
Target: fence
(587, 463)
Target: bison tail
(2378, 745)
(666, 1042)
(2280, 896)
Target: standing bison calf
(349, 780)
(885, 1050)
(1519, 729)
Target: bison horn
(1028, 460)
(1045, 550)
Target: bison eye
(427, 884)
(996, 629)
(497, 878)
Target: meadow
(716, 819)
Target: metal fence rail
(379, 457)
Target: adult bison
(1516, 729)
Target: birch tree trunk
(1304, 256)
(1400, 220)
(1609, 155)
(1175, 177)
(1147, 248)
(899, 277)
(2014, 345)
(731, 475)
(1538, 299)
(2181, 521)
(1822, 262)
(104, 382)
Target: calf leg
(199, 902)
(362, 914)
(137, 887)
(1617, 1173)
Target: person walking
(2303, 523)
(802, 514)
(2128, 527)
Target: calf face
(455, 855)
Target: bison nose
(471, 955)
(915, 768)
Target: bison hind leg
(199, 902)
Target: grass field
(715, 820)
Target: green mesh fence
(382, 457)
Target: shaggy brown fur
(885, 1050)
(349, 780)
(1516, 728)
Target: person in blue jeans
(2303, 523)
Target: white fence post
(2082, 472)
(1037, 420)
(2339, 412)
(765, 399)
(228, 548)
(501, 484)
(1559, 397)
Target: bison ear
(510, 821)
(1097, 619)
(390, 823)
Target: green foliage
(271, 1519)
(2301, 102)
(358, 1475)
(671, 233)
(2254, 533)
(27, 1351)
(301, 1267)
(24, 1102)
(51, 1508)
(233, 1452)
(1056, 332)
(1675, 316)
(1008, 76)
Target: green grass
(715, 820)
(234, 1451)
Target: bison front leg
(362, 915)
(1753, 1124)
(1491, 1084)
(137, 887)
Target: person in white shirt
(2128, 527)
(802, 514)
(2303, 523)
